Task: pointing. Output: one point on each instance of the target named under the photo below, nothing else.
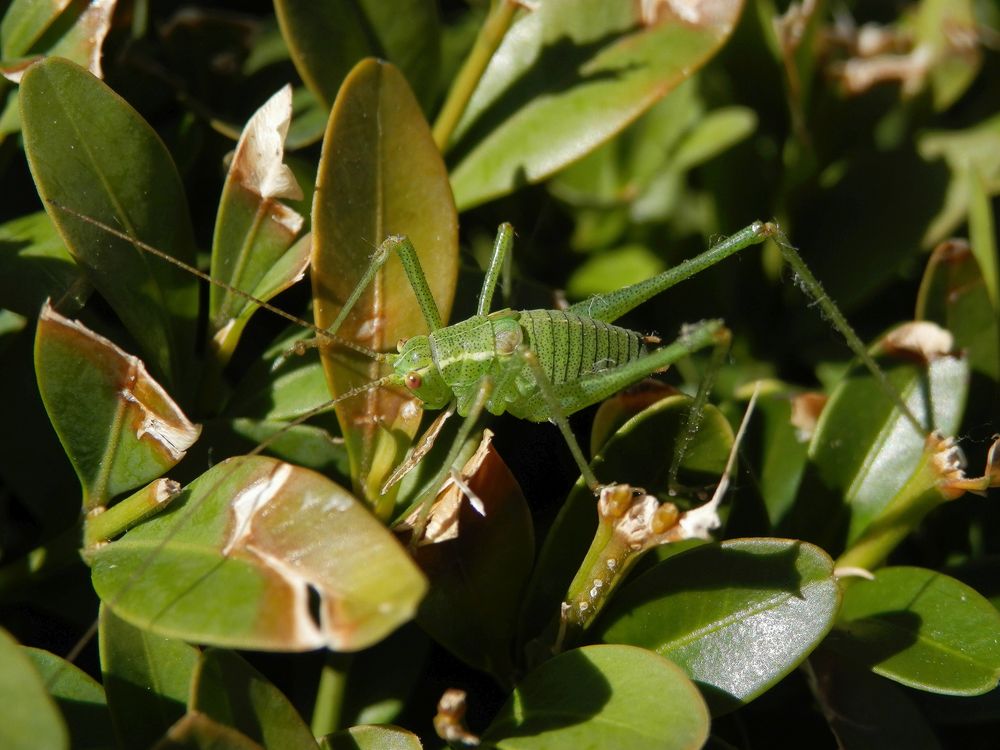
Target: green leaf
(923, 629)
(371, 738)
(589, 66)
(228, 690)
(119, 428)
(217, 567)
(199, 732)
(478, 574)
(24, 23)
(34, 264)
(613, 270)
(602, 696)
(327, 39)
(640, 452)
(91, 154)
(30, 719)
(374, 182)
(80, 699)
(147, 679)
(254, 248)
(736, 617)
(865, 455)
(953, 65)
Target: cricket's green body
(452, 362)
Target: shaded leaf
(232, 693)
(591, 67)
(233, 561)
(866, 712)
(30, 717)
(478, 574)
(34, 264)
(374, 182)
(147, 679)
(602, 696)
(119, 428)
(736, 617)
(80, 699)
(923, 629)
(327, 40)
(199, 732)
(92, 153)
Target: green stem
(122, 516)
(330, 694)
(490, 36)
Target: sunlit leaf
(374, 182)
(118, 426)
(371, 738)
(602, 696)
(736, 617)
(218, 567)
(92, 153)
(592, 67)
(923, 629)
(34, 264)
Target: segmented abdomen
(570, 347)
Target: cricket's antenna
(320, 332)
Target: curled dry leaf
(258, 163)
(920, 339)
(83, 42)
(806, 408)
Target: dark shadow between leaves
(869, 641)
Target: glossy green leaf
(119, 428)
(91, 153)
(374, 182)
(328, 39)
(80, 699)
(217, 568)
(34, 264)
(736, 617)
(254, 248)
(591, 67)
(866, 712)
(371, 738)
(923, 629)
(640, 453)
(147, 679)
(29, 719)
(865, 454)
(602, 696)
(231, 692)
(479, 566)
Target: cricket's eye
(412, 381)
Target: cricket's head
(415, 367)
